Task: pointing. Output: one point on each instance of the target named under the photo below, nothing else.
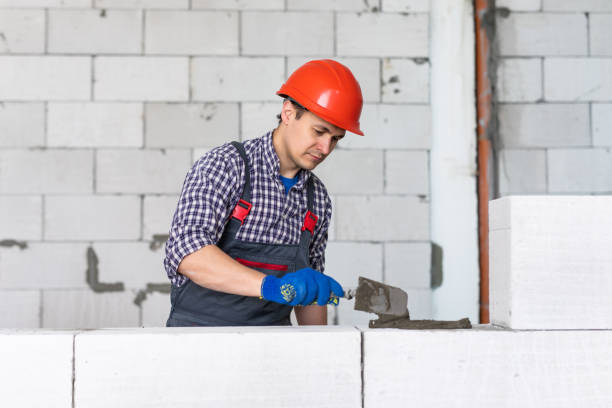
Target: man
(248, 237)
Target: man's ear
(287, 112)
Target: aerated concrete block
(365, 167)
(23, 31)
(36, 369)
(54, 78)
(287, 33)
(591, 79)
(93, 32)
(191, 32)
(155, 309)
(221, 367)
(19, 309)
(22, 124)
(21, 218)
(550, 262)
(486, 368)
(190, 125)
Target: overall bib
(194, 305)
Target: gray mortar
(157, 241)
(142, 294)
(92, 275)
(375, 297)
(13, 242)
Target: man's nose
(325, 146)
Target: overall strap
(243, 206)
(310, 220)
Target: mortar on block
(390, 303)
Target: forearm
(311, 315)
(214, 269)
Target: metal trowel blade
(375, 297)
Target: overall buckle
(241, 210)
(309, 222)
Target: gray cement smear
(92, 275)
(12, 242)
(157, 241)
(376, 297)
(395, 322)
(142, 294)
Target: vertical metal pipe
(483, 100)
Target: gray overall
(194, 305)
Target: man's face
(310, 139)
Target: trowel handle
(349, 293)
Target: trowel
(391, 306)
(375, 297)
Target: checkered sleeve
(203, 207)
(319, 241)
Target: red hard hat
(329, 90)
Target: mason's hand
(301, 288)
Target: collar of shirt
(273, 163)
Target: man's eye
(319, 132)
(337, 138)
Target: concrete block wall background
(105, 104)
(554, 94)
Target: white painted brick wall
(365, 167)
(46, 171)
(92, 217)
(578, 79)
(288, 33)
(519, 5)
(45, 78)
(37, 368)
(580, 171)
(191, 32)
(155, 310)
(393, 127)
(542, 239)
(602, 124)
(154, 4)
(190, 125)
(382, 218)
(141, 78)
(364, 34)
(522, 171)
(223, 79)
(239, 4)
(157, 214)
(21, 217)
(338, 5)
(22, 124)
(484, 367)
(23, 31)
(405, 80)
(258, 118)
(406, 172)
(405, 6)
(133, 263)
(594, 6)
(408, 264)
(327, 369)
(19, 309)
(544, 125)
(141, 171)
(95, 31)
(600, 30)
(46, 3)
(542, 34)
(519, 80)
(94, 124)
(111, 309)
(45, 265)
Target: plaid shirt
(213, 187)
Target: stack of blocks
(105, 105)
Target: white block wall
(321, 366)
(550, 262)
(554, 91)
(105, 104)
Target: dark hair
(299, 109)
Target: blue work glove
(301, 288)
